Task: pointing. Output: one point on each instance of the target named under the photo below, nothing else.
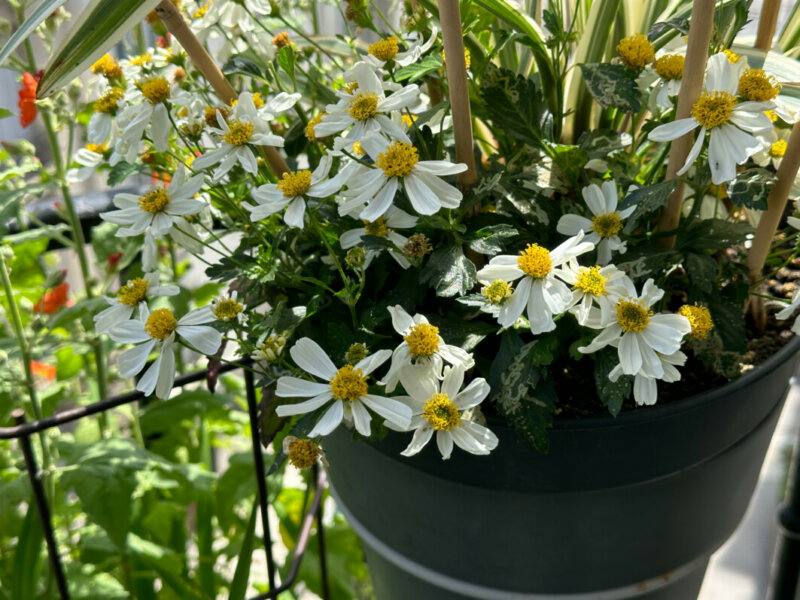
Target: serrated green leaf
(416, 71)
(646, 200)
(449, 272)
(286, 60)
(611, 393)
(713, 234)
(702, 271)
(99, 26)
(44, 10)
(612, 86)
(751, 188)
(490, 240)
(599, 143)
(122, 170)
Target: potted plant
(515, 247)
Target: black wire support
(23, 431)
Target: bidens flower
(158, 330)
(131, 296)
(347, 388)
(382, 227)
(440, 410)
(606, 222)
(595, 291)
(645, 389)
(540, 288)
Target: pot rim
(676, 407)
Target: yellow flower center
(713, 108)
(310, 135)
(210, 114)
(535, 261)
(106, 66)
(155, 200)
(398, 160)
(670, 66)
(699, 318)
(606, 225)
(226, 309)
(96, 148)
(358, 149)
(384, 49)
(272, 347)
(778, 149)
(377, 227)
(303, 454)
(238, 133)
(295, 183)
(636, 51)
(441, 413)
(732, 57)
(497, 291)
(160, 324)
(756, 85)
(773, 116)
(348, 384)
(133, 292)
(633, 315)
(141, 59)
(200, 12)
(590, 281)
(364, 106)
(408, 120)
(155, 89)
(107, 103)
(422, 340)
(281, 39)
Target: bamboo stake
(691, 86)
(176, 25)
(767, 21)
(453, 40)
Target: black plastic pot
(630, 507)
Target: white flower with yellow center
(104, 108)
(398, 163)
(382, 227)
(603, 228)
(132, 296)
(89, 159)
(669, 68)
(730, 123)
(388, 48)
(639, 334)
(540, 288)
(158, 331)
(346, 388)
(228, 308)
(645, 389)
(236, 135)
(774, 147)
(594, 291)
(422, 350)
(364, 106)
(440, 409)
(147, 111)
(291, 193)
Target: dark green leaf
(570, 160)
(751, 188)
(702, 271)
(612, 86)
(713, 234)
(679, 25)
(611, 393)
(27, 558)
(490, 240)
(449, 272)
(122, 170)
(647, 199)
(599, 143)
(415, 71)
(243, 66)
(241, 575)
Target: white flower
(290, 193)
(669, 68)
(108, 104)
(89, 160)
(422, 351)
(147, 110)
(595, 291)
(227, 308)
(773, 148)
(346, 387)
(602, 229)
(639, 334)
(388, 49)
(269, 347)
(645, 390)
(365, 107)
(729, 122)
(243, 128)
(131, 296)
(398, 162)
(382, 227)
(440, 409)
(539, 289)
(790, 308)
(158, 330)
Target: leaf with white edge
(44, 10)
(599, 143)
(449, 272)
(646, 200)
(613, 86)
(416, 71)
(751, 188)
(102, 24)
(490, 240)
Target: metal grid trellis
(24, 430)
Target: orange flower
(43, 370)
(53, 300)
(27, 100)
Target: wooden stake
(691, 86)
(767, 21)
(453, 40)
(176, 25)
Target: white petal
(307, 406)
(361, 418)
(512, 309)
(671, 131)
(372, 362)
(645, 390)
(445, 442)
(310, 357)
(166, 372)
(330, 420)
(294, 387)
(133, 361)
(421, 437)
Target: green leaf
(570, 160)
(449, 272)
(100, 25)
(240, 65)
(713, 234)
(599, 143)
(657, 29)
(646, 200)
(48, 231)
(612, 86)
(285, 60)
(515, 105)
(4, 112)
(490, 240)
(611, 393)
(702, 271)
(163, 561)
(751, 188)
(38, 16)
(19, 170)
(122, 170)
(242, 574)
(27, 558)
(160, 417)
(416, 71)
(68, 364)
